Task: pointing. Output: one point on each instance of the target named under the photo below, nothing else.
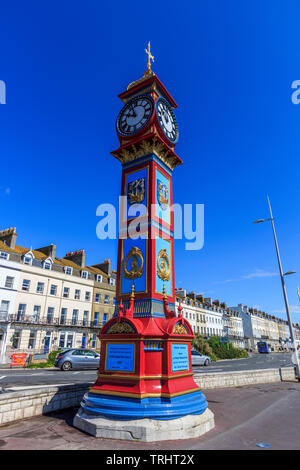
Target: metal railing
(53, 321)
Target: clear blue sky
(228, 64)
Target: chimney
(48, 250)
(78, 257)
(9, 237)
(105, 266)
(192, 295)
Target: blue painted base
(123, 408)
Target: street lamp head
(289, 272)
(262, 220)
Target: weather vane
(150, 57)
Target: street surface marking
(2, 377)
(35, 386)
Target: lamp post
(294, 345)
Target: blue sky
(228, 64)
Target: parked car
(77, 359)
(199, 359)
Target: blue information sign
(179, 357)
(120, 357)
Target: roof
(20, 250)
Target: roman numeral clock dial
(167, 120)
(135, 115)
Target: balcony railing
(53, 321)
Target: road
(244, 417)
(17, 379)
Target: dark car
(77, 359)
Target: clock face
(135, 115)
(167, 120)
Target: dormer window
(27, 259)
(47, 264)
(84, 274)
(99, 278)
(3, 255)
(112, 281)
(68, 270)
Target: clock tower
(145, 376)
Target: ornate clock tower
(145, 374)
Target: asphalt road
(16, 379)
(244, 417)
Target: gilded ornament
(135, 271)
(163, 271)
(120, 328)
(180, 329)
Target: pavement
(244, 417)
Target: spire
(150, 57)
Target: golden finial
(150, 57)
(132, 291)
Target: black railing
(53, 321)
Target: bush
(203, 347)
(225, 350)
(49, 363)
(217, 350)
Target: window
(99, 278)
(66, 292)
(75, 317)
(40, 287)
(53, 289)
(85, 317)
(3, 255)
(97, 298)
(63, 315)
(78, 352)
(36, 313)
(68, 270)
(9, 282)
(21, 312)
(31, 341)
(106, 299)
(112, 281)
(27, 259)
(70, 338)
(96, 316)
(4, 306)
(94, 340)
(61, 343)
(114, 301)
(87, 295)
(104, 318)
(84, 274)
(77, 294)
(47, 264)
(50, 314)
(25, 284)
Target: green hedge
(217, 350)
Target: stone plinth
(145, 430)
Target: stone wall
(27, 403)
(240, 378)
